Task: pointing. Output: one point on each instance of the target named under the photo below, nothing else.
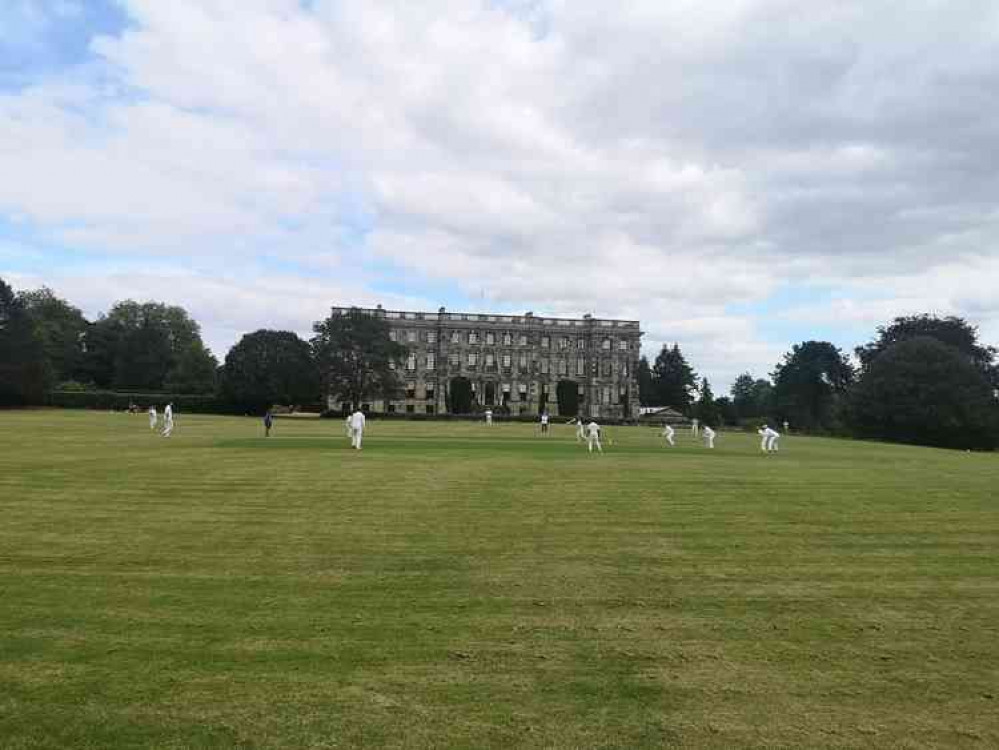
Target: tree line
(922, 379)
(154, 348)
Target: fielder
(346, 427)
(489, 416)
(770, 438)
(153, 418)
(709, 436)
(268, 421)
(168, 420)
(544, 423)
(693, 427)
(356, 428)
(580, 430)
(593, 437)
(668, 433)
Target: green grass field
(454, 585)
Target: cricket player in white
(153, 418)
(693, 427)
(489, 416)
(668, 433)
(346, 428)
(168, 420)
(770, 438)
(544, 423)
(356, 428)
(580, 430)
(593, 436)
(709, 436)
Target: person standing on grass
(668, 433)
(785, 426)
(693, 427)
(268, 421)
(544, 423)
(346, 427)
(357, 428)
(580, 430)
(168, 420)
(489, 416)
(709, 436)
(153, 417)
(593, 437)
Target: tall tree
(810, 383)
(355, 356)
(751, 397)
(706, 410)
(146, 346)
(24, 370)
(675, 382)
(925, 392)
(646, 385)
(952, 331)
(269, 367)
(61, 328)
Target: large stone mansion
(516, 364)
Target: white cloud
(657, 160)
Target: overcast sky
(740, 175)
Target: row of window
(606, 395)
(507, 339)
(561, 366)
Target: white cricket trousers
(355, 437)
(772, 444)
(167, 428)
(591, 440)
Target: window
(455, 337)
(523, 389)
(507, 339)
(580, 366)
(490, 339)
(455, 360)
(411, 336)
(490, 360)
(523, 361)
(411, 362)
(430, 393)
(472, 359)
(506, 361)
(391, 408)
(473, 337)
(431, 361)
(523, 339)
(580, 343)
(430, 408)
(562, 367)
(392, 335)
(564, 343)
(607, 368)
(410, 390)
(622, 345)
(544, 367)
(624, 369)
(544, 341)
(606, 344)
(391, 364)
(410, 408)
(431, 337)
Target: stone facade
(514, 362)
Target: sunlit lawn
(454, 585)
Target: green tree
(146, 346)
(647, 395)
(952, 331)
(269, 367)
(61, 328)
(674, 381)
(24, 369)
(751, 397)
(923, 391)
(810, 383)
(705, 409)
(355, 356)
(727, 412)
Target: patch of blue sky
(27, 248)
(42, 38)
(775, 321)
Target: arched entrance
(567, 393)
(460, 396)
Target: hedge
(117, 401)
